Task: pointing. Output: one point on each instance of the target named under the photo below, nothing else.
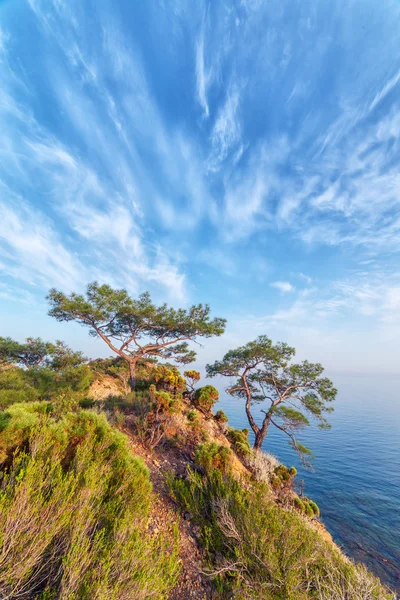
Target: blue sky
(244, 154)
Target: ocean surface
(356, 477)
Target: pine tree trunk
(261, 433)
(258, 441)
(132, 375)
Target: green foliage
(313, 507)
(264, 372)
(29, 354)
(192, 375)
(283, 473)
(55, 374)
(205, 397)
(192, 416)
(220, 416)
(167, 377)
(16, 386)
(257, 550)
(213, 456)
(35, 353)
(192, 378)
(150, 413)
(299, 504)
(239, 441)
(308, 511)
(291, 416)
(73, 511)
(136, 328)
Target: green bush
(192, 416)
(313, 508)
(220, 416)
(205, 397)
(15, 386)
(239, 441)
(19, 385)
(308, 511)
(299, 504)
(211, 456)
(257, 550)
(74, 506)
(283, 473)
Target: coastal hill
(113, 493)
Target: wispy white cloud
(203, 76)
(386, 89)
(94, 199)
(31, 250)
(226, 133)
(375, 297)
(283, 286)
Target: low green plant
(313, 508)
(192, 416)
(220, 417)
(211, 456)
(299, 504)
(205, 397)
(240, 442)
(257, 550)
(74, 506)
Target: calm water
(356, 481)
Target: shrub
(73, 513)
(151, 410)
(220, 417)
(299, 504)
(205, 397)
(311, 508)
(192, 416)
(167, 377)
(239, 441)
(192, 378)
(257, 550)
(283, 473)
(213, 456)
(15, 386)
(308, 511)
(262, 465)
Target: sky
(243, 154)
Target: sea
(356, 470)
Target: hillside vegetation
(75, 501)
(119, 481)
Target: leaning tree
(136, 328)
(263, 371)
